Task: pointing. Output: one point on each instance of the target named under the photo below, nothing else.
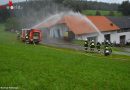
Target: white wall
(54, 30)
(127, 34)
(114, 36)
(85, 36)
(100, 38)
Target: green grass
(78, 42)
(121, 49)
(103, 12)
(46, 68)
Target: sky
(109, 1)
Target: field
(103, 12)
(40, 67)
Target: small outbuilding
(123, 34)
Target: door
(122, 40)
(58, 34)
(107, 37)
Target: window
(36, 34)
(92, 38)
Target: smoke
(34, 12)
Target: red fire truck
(31, 35)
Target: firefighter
(18, 35)
(86, 45)
(107, 43)
(107, 51)
(26, 38)
(107, 48)
(92, 45)
(98, 46)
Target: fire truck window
(36, 34)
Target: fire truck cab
(31, 35)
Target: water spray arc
(53, 19)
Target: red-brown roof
(103, 24)
(79, 25)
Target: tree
(125, 8)
(98, 13)
(12, 24)
(4, 14)
(75, 5)
(111, 13)
(59, 1)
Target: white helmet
(106, 47)
(92, 40)
(107, 41)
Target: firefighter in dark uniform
(26, 39)
(92, 45)
(98, 46)
(86, 45)
(18, 35)
(107, 46)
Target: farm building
(123, 35)
(75, 27)
(69, 26)
(107, 28)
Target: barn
(116, 30)
(107, 28)
(69, 26)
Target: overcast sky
(110, 1)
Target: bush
(98, 13)
(111, 13)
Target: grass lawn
(46, 68)
(103, 12)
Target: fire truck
(31, 36)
